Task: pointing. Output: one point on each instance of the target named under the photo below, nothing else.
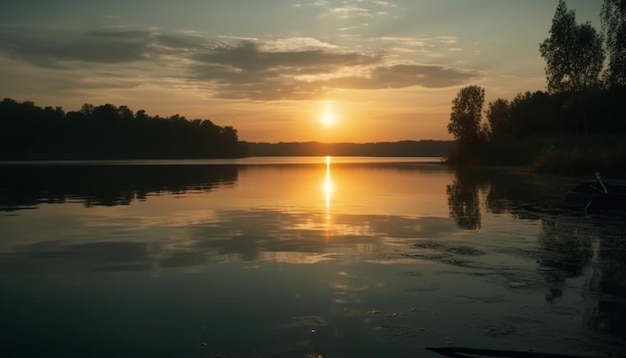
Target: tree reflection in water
(25, 186)
(463, 198)
(570, 245)
(566, 251)
(607, 286)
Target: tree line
(29, 132)
(407, 148)
(27, 186)
(580, 116)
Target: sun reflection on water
(328, 186)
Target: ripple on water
(310, 321)
(388, 331)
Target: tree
(87, 109)
(125, 113)
(108, 132)
(613, 21)
(574, 54)
(466, 113)
(498, 117)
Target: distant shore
(405, 148)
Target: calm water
(300, 257)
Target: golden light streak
(328, 188)
(328, 184)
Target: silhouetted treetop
(573, 52)
(613, 20)
(108, 132)
(466, 114)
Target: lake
(301, 257)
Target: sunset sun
(328, 117)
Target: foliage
(498, 117)
(613, 21)
(466, 114)
(536, 112)
(108, 132)
(572, 127)
(571, 155)
(573, 53)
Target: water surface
(297, 257)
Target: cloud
(247, 56)
(179, 41)
(416, 41)
(449, 40)
(228, 67)
(246, 71)
(55, 48)
(319, 3)
(297, 43)
(349, 11)
(120, 34)
(402, 76)
(384, 4)
(271, 89)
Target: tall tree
(466, 114)
(498, 117)
(613, 21)
(574, 54)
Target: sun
(328, 117)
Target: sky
(279, 70)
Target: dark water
(284, 257)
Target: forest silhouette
(577, 125)
(29, 132)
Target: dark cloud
(56, 49)
(120, 34)
(108, 51)
(278, 89)
(247, 56)
(244, 69)
(401, 76)
(271, 84)
(180, 41)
